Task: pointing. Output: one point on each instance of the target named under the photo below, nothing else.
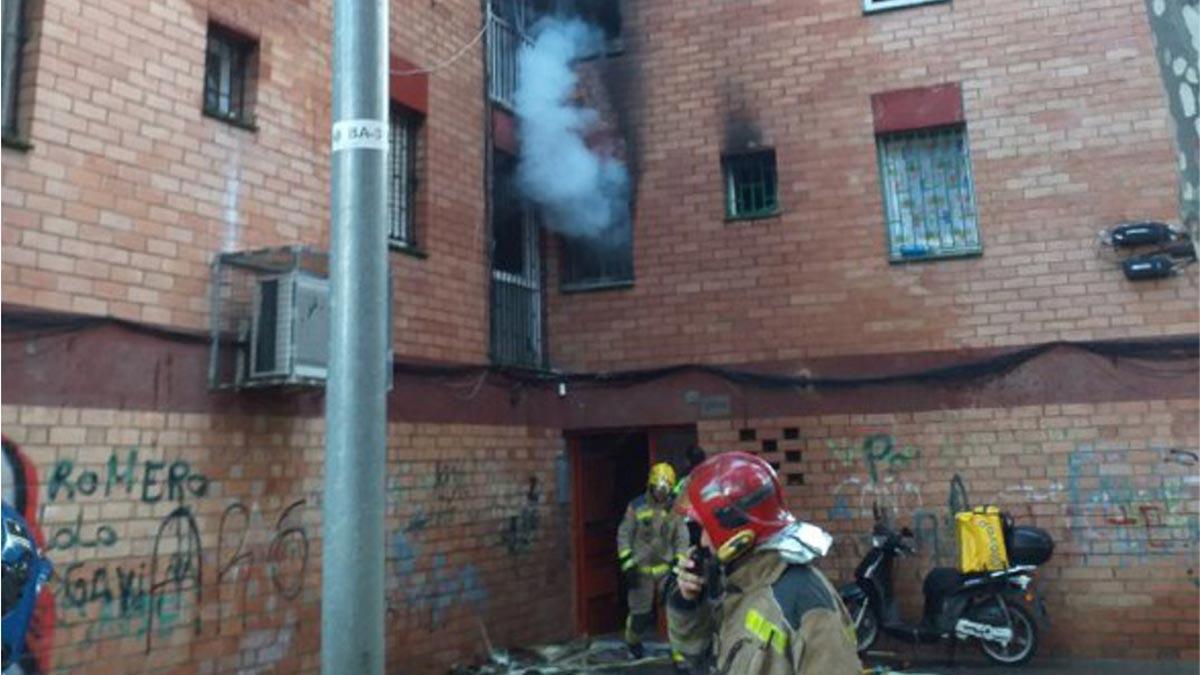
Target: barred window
(928, 194)
(14, 41)
(750, 184)
(228, 73)
(402, 184)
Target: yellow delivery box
(981, 540)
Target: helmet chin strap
(735, 546)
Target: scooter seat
(940, 582)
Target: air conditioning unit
(289, 330)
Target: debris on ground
(586, 655)
(583, 655)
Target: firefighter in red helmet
(756, 604)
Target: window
(402, 178)
(14, 41)
(228, 75)
(750, 185)
(516, 307)
(605, 15)
(928, 194)
(870, 6)
(590, 263)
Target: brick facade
(185, 524)
(1114, 484)
(191, 543)
(1069, 134)
(128, 190)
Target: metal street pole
(352, 569)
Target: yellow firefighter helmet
(662, 474)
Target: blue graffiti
(1114, 511)
(429, 598)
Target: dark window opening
(770, 445)
(598, 262)
(791, 433)
(402, 186)
(228, 75)
(792, 456)
(516, 307)
(750, 184)
(605, 15)
(14, 42)
(509, 252)
(747, 434)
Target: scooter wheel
(866, 624)
(1024, 643)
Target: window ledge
(595, 286)
(17, 142)
(880, 6)
(930, 257)
(766, 215)
(407, 249)
(247, 124)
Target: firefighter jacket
(771, 617)
(651, 537)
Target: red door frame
(577, 535)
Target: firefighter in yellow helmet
(652, 538)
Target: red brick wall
(1114, 484)
(129, 191)
(235, 502)
(1068, 134)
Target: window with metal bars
(928, 194)
(14, 41)
(750, 184)
(402, 183)
(228, 71)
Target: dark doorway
(610, 470)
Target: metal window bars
(14, 41)
(225, 73)
(750, 184)
(402, 177)
(516, 324)
(928, 194)
(505, 38)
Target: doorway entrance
(610, 469)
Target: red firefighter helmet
(738, 501)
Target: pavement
(972, 664)
(610, 656)
(934, 661)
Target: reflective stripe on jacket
(772, 618)
(651, 537)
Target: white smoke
(582, 192)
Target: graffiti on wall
(521, 528)
(882, 489)
(426, 584)
(1114, 510)
(148, 596)
(284, 561)
(426, 599)
(1120, 502)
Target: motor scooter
(995, 609)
